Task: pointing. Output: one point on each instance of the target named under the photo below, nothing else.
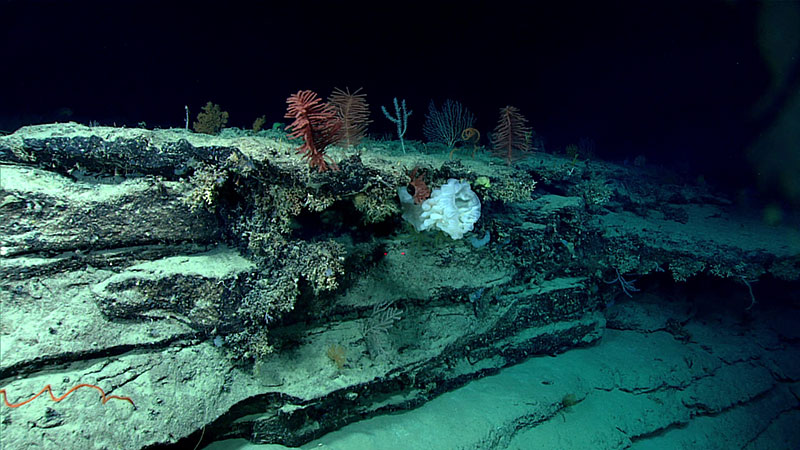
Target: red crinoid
(512, 133)
(317, 123)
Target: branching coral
(316, 123)
(211, 119)
(353, 111)
(512, 133)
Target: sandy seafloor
(724, 384)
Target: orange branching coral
(316, 123)
(58, 399)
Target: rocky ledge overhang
(228, 290)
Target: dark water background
(698, 86)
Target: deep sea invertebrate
(446, 126)
(337, 354)
(316, 123)
(49, 389)
(626, 285)
(469, 136)
(353, 111)
(375, 328)
(417, 184)
(512, 133)
(211, 119)
(400, 119)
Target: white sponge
(452, 208)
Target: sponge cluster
(452, 208)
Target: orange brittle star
(58, 399)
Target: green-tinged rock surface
(231, 292)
